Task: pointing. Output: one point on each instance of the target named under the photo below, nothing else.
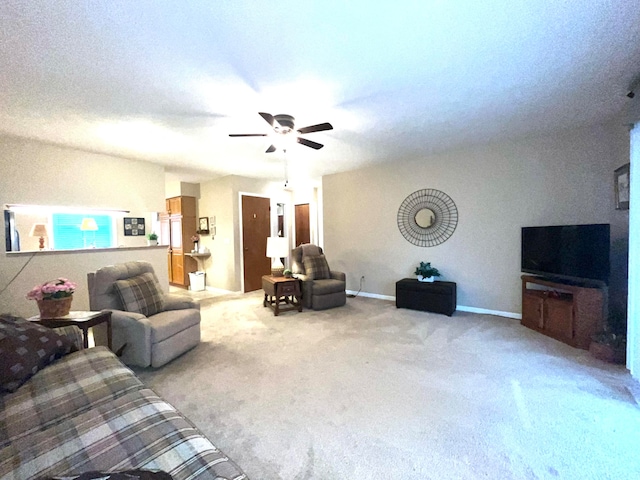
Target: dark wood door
(303, 233)
(255, 230)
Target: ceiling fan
(284, 125)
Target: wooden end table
(83, 320)
(282, 290)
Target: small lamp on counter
(88, 225)
(277, 248)
(39, 230)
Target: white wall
(565, 178)
(40, 174)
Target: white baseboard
(462, 308)
(485, 311)
(371, 295)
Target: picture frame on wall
(133, 227)
(621, 183)
(203, 224)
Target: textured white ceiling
(167, 81)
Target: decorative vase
(152, 243)
(55, 307)
(195, 247)
(425, 279)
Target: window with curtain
(67, 234)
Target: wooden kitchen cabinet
(177, 226)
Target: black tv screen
(571, 252)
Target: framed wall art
(133, 227)
(203, 225)
(621, 182)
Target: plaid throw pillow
(25, 348)
(316, 267)
(140, 294)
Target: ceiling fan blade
(247, 134)
(268, 118)
(272, 148)
(309, 143)
(316, 128)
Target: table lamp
(277, 248)
(88, 225)
(39, 230)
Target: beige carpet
(369, 391)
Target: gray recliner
(318, 294)
(150, 341)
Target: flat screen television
(567, 252)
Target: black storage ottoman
(437, 297)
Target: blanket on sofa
(86, 412)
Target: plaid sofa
(88, 412)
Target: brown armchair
(322, 287)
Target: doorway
(255, 230)
(303, 233)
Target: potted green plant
(152, 239)
(426, 273)
(610, 345)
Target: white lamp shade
(88, 224)
(39, 230)
(277, 247)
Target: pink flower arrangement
(195, 238)
(59, 288)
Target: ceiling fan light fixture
(284, 134)
(283, 141)
(286, 123)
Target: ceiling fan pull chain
(286, 170)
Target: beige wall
(177, 189)
(566, 178)
(221, 198)
(39, 174)
(216, 200)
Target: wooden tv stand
(567, 312)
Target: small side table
(83, 320)
(200, 257)
(437, 297)
(278, 290)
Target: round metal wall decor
(427, 217)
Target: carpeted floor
(369, 391)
